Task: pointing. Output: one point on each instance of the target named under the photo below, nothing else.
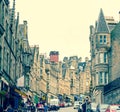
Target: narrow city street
(59, 54)
(66, 109)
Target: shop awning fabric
(20, 92)
(3, 93)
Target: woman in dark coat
(1, 108)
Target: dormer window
(103, 39)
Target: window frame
(103, 39)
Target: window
(101, 57)
(96, 58)
(7, 31)
(100, 77)
(4, 57)
(105, 57)
(27, 81)
(106, 78)
(7, 63)
(96, 38)
(103, 39)
(97, 78)
(87, 83)
(41, 72)
(103, 78)
(3, 14)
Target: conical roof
(102, 26)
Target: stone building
(43, 76)
(112, 90)
(7, 51)
(79, 76)
(11, 66)
(85, 77)
(104, 45)
(34, 76)
(60, 85)
(4, 74)
(51, 70)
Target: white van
(54, 104)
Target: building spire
(12, 13)
(102, 26)
(119, 16)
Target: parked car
(62, 104)
(103, 107)
(54, 104)
(113, 108)
(93, 106)
(76, 104)
(40, 107)
(68, 104)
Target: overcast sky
(63, 25)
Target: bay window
(103, 57)
(102, 78)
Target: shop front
(4, 92)
(16, 97)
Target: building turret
(101, 24)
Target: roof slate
(116, 32)
(101, 24)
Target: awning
(4, 80)
(3, 93)
(20, 92)
(36, 99)
(29, 93)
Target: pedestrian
(1, 108)
(84, 106)
(80, 108)
(98, 108)
(45, 107)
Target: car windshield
(115, 107)
(76, 103)
(103, 106)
